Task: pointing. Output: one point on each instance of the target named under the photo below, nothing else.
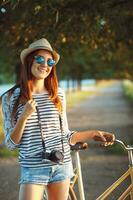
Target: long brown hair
(26, 85)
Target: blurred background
(95, 41)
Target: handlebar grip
(79, 146)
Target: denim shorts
(46, 175)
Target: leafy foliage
(94, 38)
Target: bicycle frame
(128, 173)
(80, 180)
(78, 171)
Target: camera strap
(61, 133)
(40, 125)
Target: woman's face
(41, 71)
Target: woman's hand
(104, 137)
(29, 108)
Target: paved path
(108, 110)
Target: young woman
(35, 122)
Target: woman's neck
(38, 86)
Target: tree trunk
(79, 84)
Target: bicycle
(78, 175)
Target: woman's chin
(40, 75)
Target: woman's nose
(44, 64)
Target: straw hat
(39, 44)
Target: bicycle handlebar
(84, 145)
(79, 146)
(127, 147)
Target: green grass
(1, 127)
(115, 150)
(128, 89)
(4, 152)
(73, 98)
(105, 83)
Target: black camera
(55, 156)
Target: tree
(95, 36)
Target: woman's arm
(17, 133)
(18, 129)
(82, 136)
(13, 133)
(97, 135)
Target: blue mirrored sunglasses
(41, 60)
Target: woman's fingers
(113, 137)
(107, 143)
(110, 138)
(32, 102)
(29, 108)
(102, 136)
(107, 138)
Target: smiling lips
(42, 69)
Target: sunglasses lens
(50, 62)
(39, 59)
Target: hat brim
(27, 51)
